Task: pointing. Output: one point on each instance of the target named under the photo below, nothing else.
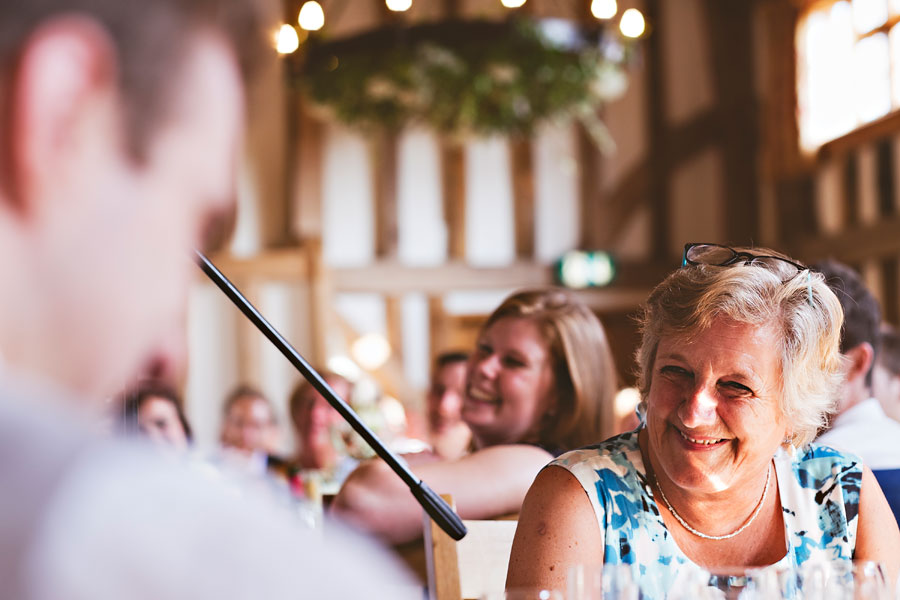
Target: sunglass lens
(709, 254)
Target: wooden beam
(395, 278)
(522, 169)
(383, 149)
(453, 185)
(282, 264)
(884, 127)
(881, 239)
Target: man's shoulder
(101, 518)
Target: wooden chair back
(471, 567)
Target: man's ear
(860, 357)
(66, 67)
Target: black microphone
(433, 504)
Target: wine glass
(524, 594)
(609, 582)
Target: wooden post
(305, 211)
(591, 195)
(522, 168)
(658, 170)
(730, 31)
(320, 300)
(384, 173)
(248, 338)
(453, 184)
(393, 306)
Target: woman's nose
(488, 366)
(699, 409)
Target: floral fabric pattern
(819, 490)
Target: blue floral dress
(819, 490)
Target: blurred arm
(877, 535)
(484, 484)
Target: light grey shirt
(85, 518)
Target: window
(848, 70)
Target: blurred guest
(321, 458)
(248, 421)
(250, 431)
(540, 381)
(860, 425)
(155, 410)
(447, 432)
(886, 376)
(121, 128)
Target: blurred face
(248, 426)
(886, 387)
(158, 420)
(445, 396)
(314, 416)
(713, 416)
(510, 383)
(117, 243)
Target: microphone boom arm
(432, 503)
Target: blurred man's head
(312, 415)
(121, 122)
(886, 376)
(248, 423)
(859, 333)
(445, 394)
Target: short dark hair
(451, 357)
(862, 314)
(132, 400)
(150, 38)
(889, 353)
(245, 390)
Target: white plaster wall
(489, 203)
(212, 348)
(416, 340)
(421, 229)
(348, 236)
(557, 206)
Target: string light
(512, 3)
(312, 17)
(398, 5)
(604, 9)
(286, 40)
(632, 24)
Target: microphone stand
(433, 504)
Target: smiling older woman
(738, 369)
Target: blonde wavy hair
(583, 366)
(800, 304)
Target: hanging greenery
(466, 77)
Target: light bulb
(632, 24)
(512, 3)
(311, 18)
(371, 351)
(398, 5)
(604, 9)
(286, 40)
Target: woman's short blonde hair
(583, 366)
(799, 304)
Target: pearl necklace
(716, 537)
